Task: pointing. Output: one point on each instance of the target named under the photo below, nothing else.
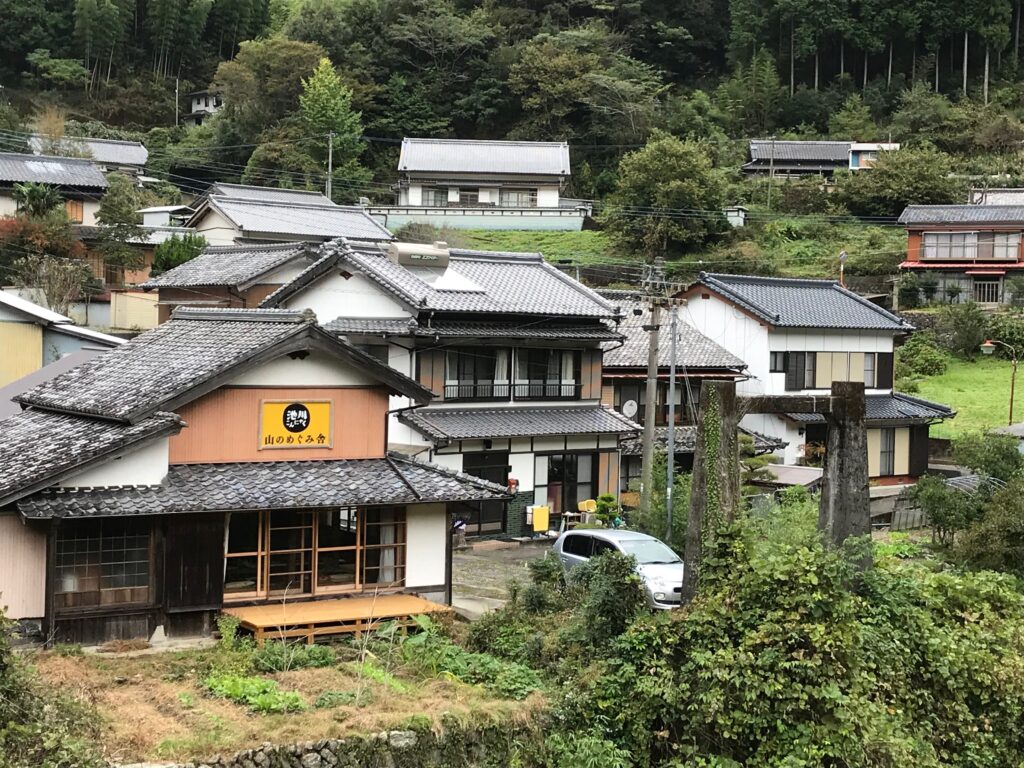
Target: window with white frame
(869, 370)
(951, 246)
(518, 198)
(1006, 246)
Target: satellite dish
(629, 409)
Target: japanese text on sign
(290, 424)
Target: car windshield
(649, 551)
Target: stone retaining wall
(453, 747)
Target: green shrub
(613, 595)
(282, 656)
(1008, 328)
(920, 355)
(929, 287)
(996, 541)
(257, 693)
(989, 454)
(431, 650)
(962, 328)
(504, 633)
(947, 509)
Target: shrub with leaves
(613, 595)
(989, 454)
(948, 510)
(920, 356)
(962, 328)
(276, 656)
(996, 541)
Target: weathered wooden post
(845, 508)
(715, 489)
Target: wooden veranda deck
(311, 620)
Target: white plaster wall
(145, 466)
(315, 370)
(453, 194)
(284, 275)
(800, 340)
(333, 296)
(90, 209)
(22, 569)
(448, 460)
(735, 331)
(426, 540)
(216, 229)
(522, 468)
(547, 197)
(7, 205)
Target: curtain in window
(568, 374)
(388, 530)
(501, 370)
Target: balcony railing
(477, 390)
(547, 390)
(524, 390)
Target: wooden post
(845, 500)
(715, 491)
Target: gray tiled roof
(237, 266)
(59, 171)
(962, 214)
(299, 220)
(509, 283)
(543, 158)
(503, 421)
(268, 194)
(693, 348)
(187, 356)
(762, 150)
(472, 329)
(793, 303)
(686, 441)
(38, 448)
(103, 151)
(894, 407)
(270, 485)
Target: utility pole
(330, 161)
(175, 102)
(647, 469)
(771, 172)
(670, 467)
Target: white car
(660, 568)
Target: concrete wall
(531, 219)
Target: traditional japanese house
(226, 460)
(511, 348)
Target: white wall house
(80, 182)
(202, 105)
(509, 346)
(800, 336)
(483, 185)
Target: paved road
(480, 578)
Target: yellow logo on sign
(295, 424)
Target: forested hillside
(612, 76)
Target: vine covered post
(715, 494)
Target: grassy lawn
(978, 391)
(582, 247)
(154, 707)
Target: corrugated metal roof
(301, 221)
(794, 303)
(268, 194)
(544, 158)
(231, 265)
(104, 151)
(962, 214)
(43, 169)
(762, 150)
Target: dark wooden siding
(430, 370)
(590, 373)
(884, 378)
(918, 463)
(194, 562)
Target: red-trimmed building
(970, 251)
